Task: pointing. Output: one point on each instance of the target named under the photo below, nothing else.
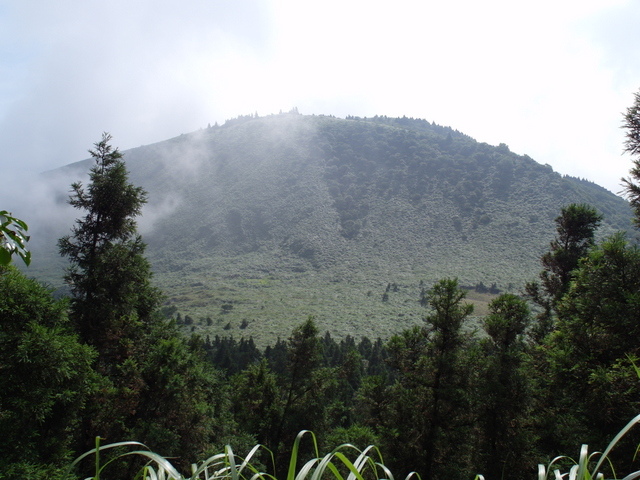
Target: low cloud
(147, 71)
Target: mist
(149, 71)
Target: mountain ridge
(254, 225)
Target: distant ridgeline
(256, 224)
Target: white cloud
(549, 78)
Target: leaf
(5, 256)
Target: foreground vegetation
(345, 460)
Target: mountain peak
(290, 215)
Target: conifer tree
(156, 388)
(109, 276)
(596, 343)
(427, 416)
(305, 386)
(505, 392)
(449, 403)
(575, 226)
(113, 302)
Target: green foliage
(425, 416)
(230, 355)
(357, 435)
(113, 304)
(507, 320)
(338, 464)
(305, 385)
(184, 406)
(448, 312)
(586, 377)
(603, 303)
(344, 460)
(155, 385)
(505, 393)
(575, 226)
(13, 239)
(448, 374)
(257, 402)
(583, 469)
(46, 375)
(632, 145)
(288, 216)
(109, 276)
(28, 470)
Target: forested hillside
(260, 222)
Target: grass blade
(615, 440)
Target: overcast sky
(549, 78)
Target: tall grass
(346, 462)
(589, 465)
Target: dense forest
(543, 372)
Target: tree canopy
(156, 386)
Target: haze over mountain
(256, 224)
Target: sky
(551, 78)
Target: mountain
(256, 224)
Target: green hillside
(254, 225)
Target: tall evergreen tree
(109, 276)
(156, 387)
(597, 336)
(113, 302)
(586, 386)
(449, 404)
(575, 226)
(426, 419)
(505, 392)
(304, 386)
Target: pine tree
(449, 408)
(575, 226)
(156, 388)
(427, 414)
(505, 392)
(597, 341)
(109, 276)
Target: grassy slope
(289, 216)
